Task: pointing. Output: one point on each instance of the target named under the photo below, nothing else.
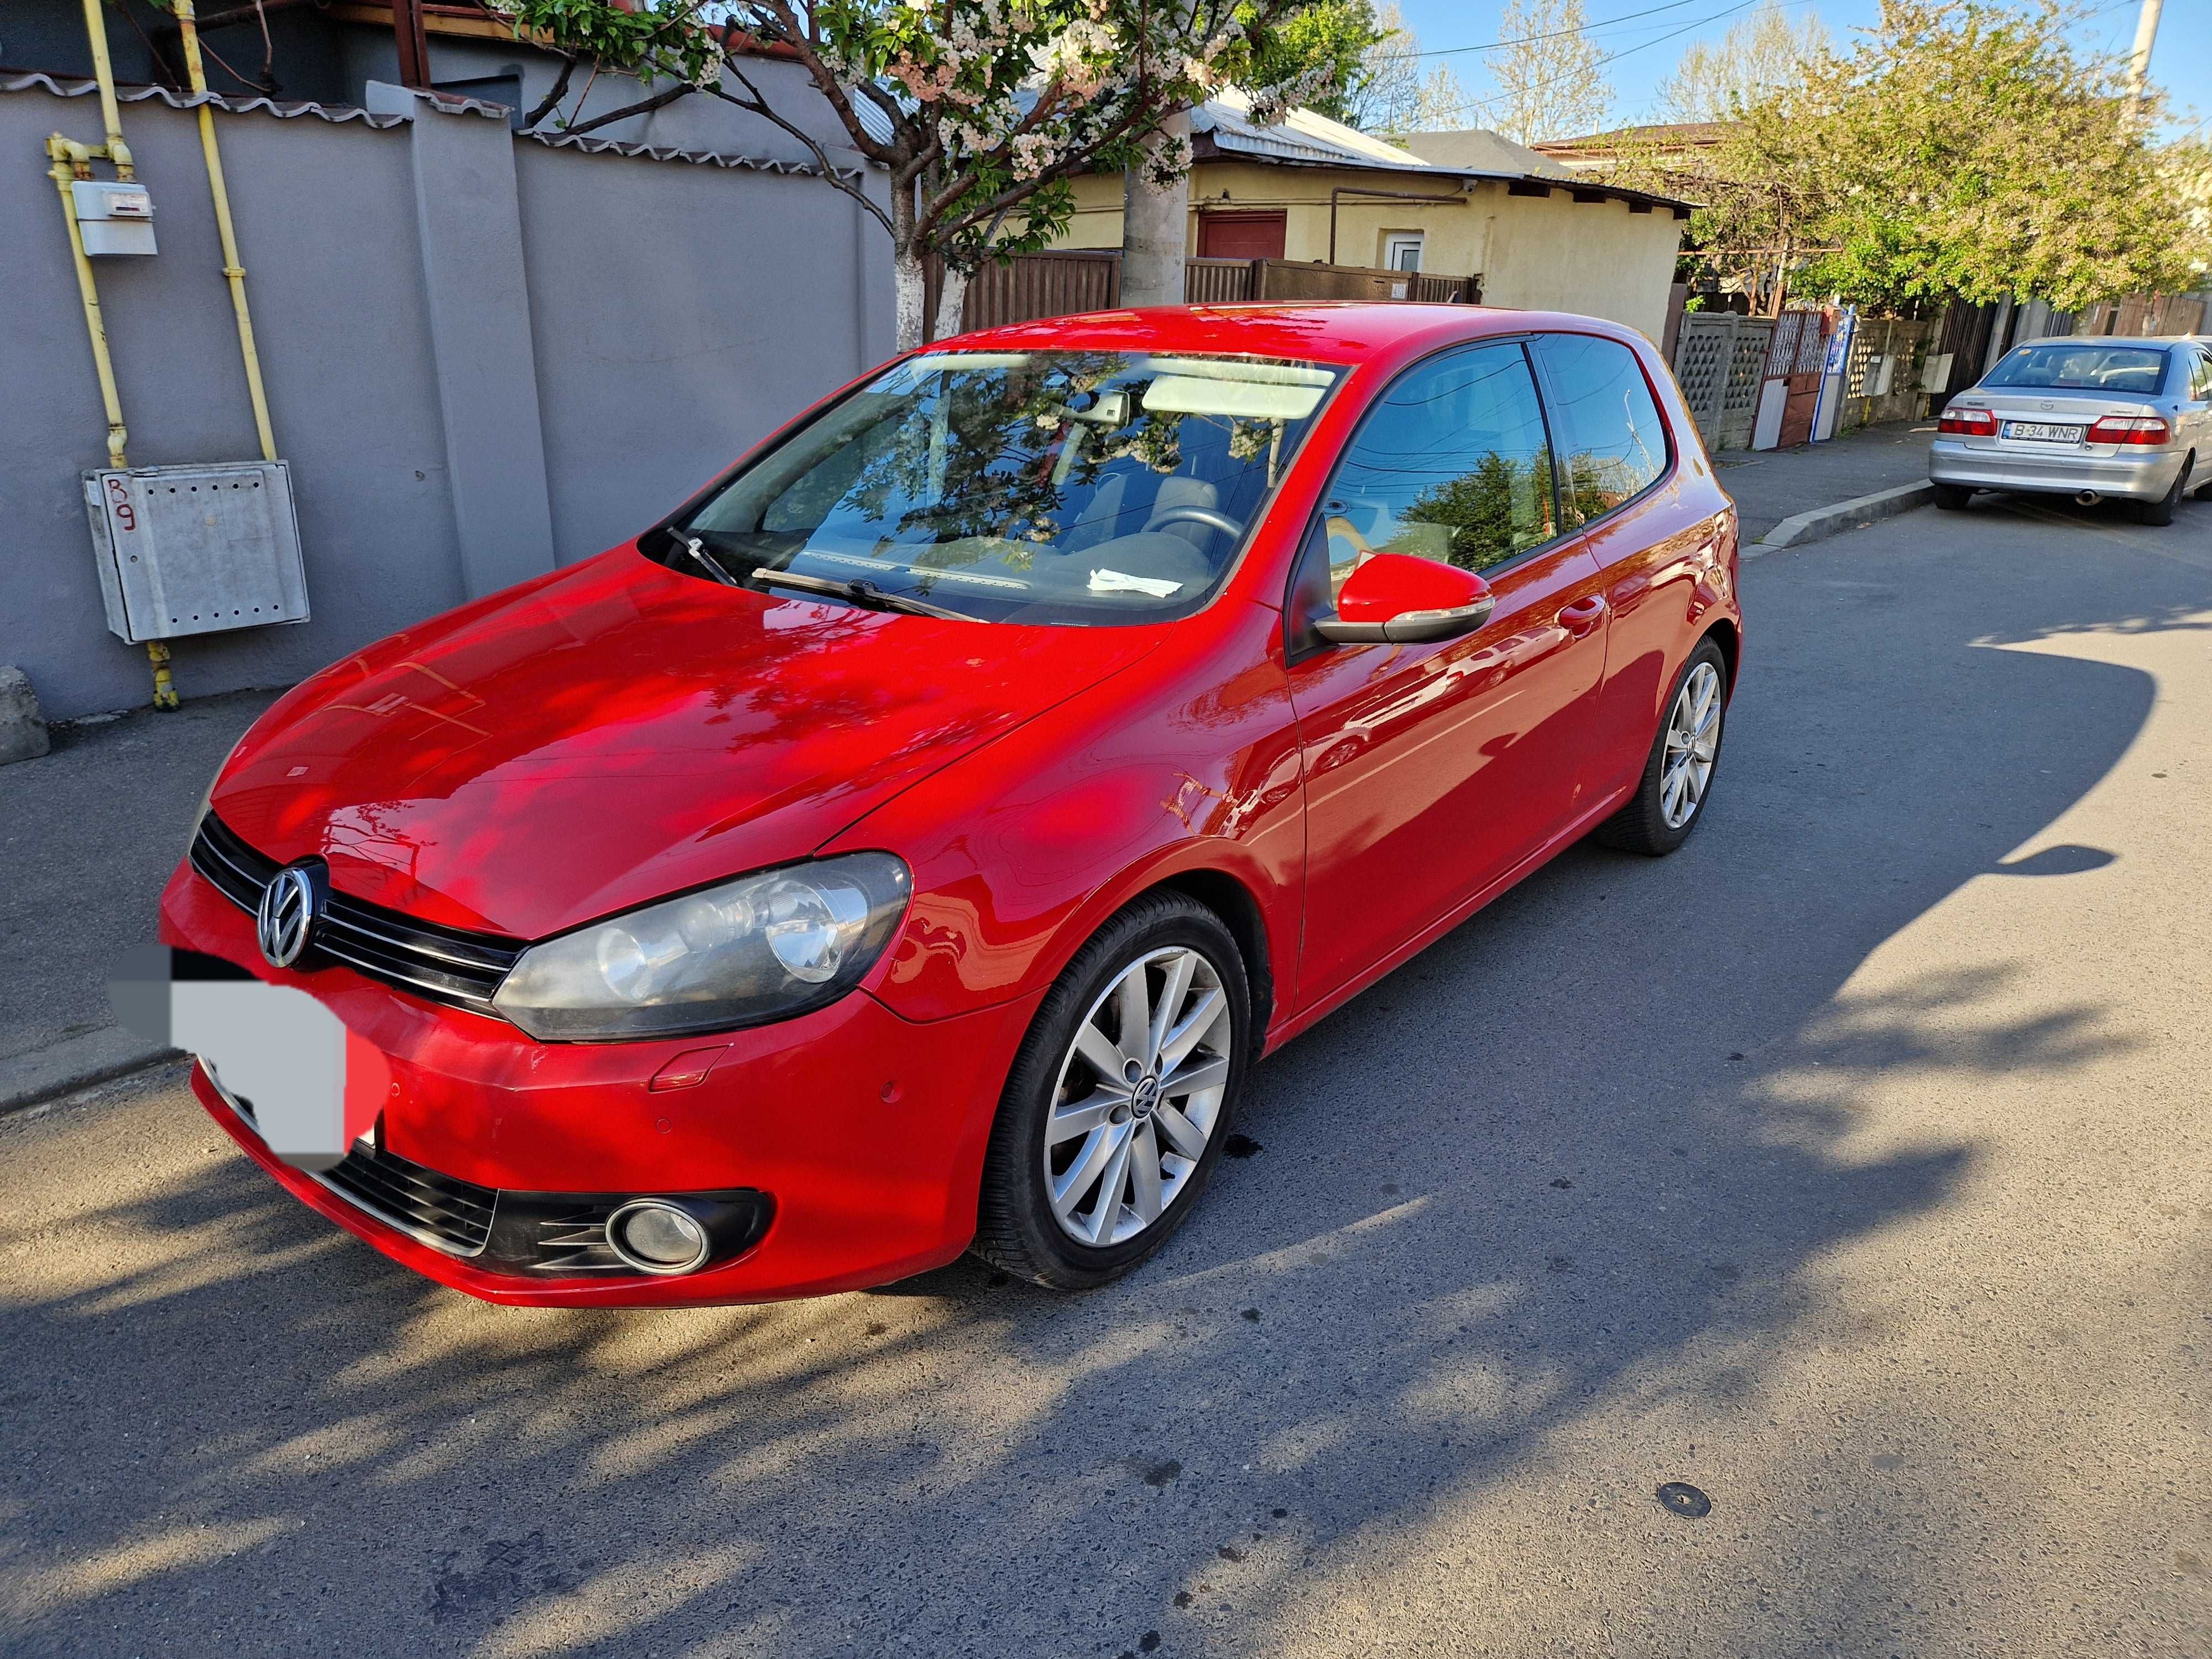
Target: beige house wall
(1533, 253)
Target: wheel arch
(1238, 907)
(1725, 634)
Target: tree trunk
(1154, 228)
(951, 303)
(913, 297)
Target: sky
(1650, 44)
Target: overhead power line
(1614, 57)
(1587, 28)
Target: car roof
(1350, 332)
(2112, 340)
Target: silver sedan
(2087, 417)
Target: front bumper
(2144, 476)
(864, 1131)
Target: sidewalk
(1774, 484)
(89, 833)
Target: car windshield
(1083, 487)
(2082, 365)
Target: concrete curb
(74, 1063)
(1839, 516)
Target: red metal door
(1241, 235)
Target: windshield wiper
(861, 591)
(706, 560)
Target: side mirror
(1394, 598)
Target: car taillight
(2129, 429)
(1970, 422)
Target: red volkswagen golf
(910, 844)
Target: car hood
(620, 732)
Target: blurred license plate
(2042, 433)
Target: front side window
(2081, 365)
(1613, 445)
(1079, 487)
(1452, 462)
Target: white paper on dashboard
(1113, 581)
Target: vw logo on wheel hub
(1145, 1096)
(290, 910)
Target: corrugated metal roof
(1301, 135)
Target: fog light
(656, 1237)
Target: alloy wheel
(1693, 741)
(1139, 1096)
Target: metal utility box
(114, 217)
(192, 549)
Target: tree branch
(551, 100)
(787, 32)
(756, 105)
(1014, 194)
(667, 95)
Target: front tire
(1116, 1107)
(1678, 776)
(1953, 498)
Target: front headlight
(762, 947)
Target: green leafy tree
(1330, 47)
(992, 106)
(1962, 147)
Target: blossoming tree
(978, 112)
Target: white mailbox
(192, 549)
(114, 218)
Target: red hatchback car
(910, 845)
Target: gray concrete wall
(593, 335)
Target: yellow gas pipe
(233, 272)
(73, 161)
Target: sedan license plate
(2042, 432)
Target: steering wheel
(1204, 515)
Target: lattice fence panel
(1701, 359)
(1747, 370)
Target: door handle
(1582, 614)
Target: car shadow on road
(1587, 1151)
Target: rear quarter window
(1611, 439)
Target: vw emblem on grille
(291, 906)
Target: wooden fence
(1060, 283)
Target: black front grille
(445, 964)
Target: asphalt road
(1851, 1166)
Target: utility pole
(2139, 63)
(1155, 225)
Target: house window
(1401, 250)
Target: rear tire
(1653, 823)
(2162, 510)
(1953, 498)
(1070, 1123)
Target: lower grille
(450, 1215)
(549, 1235)
(441, 1211)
